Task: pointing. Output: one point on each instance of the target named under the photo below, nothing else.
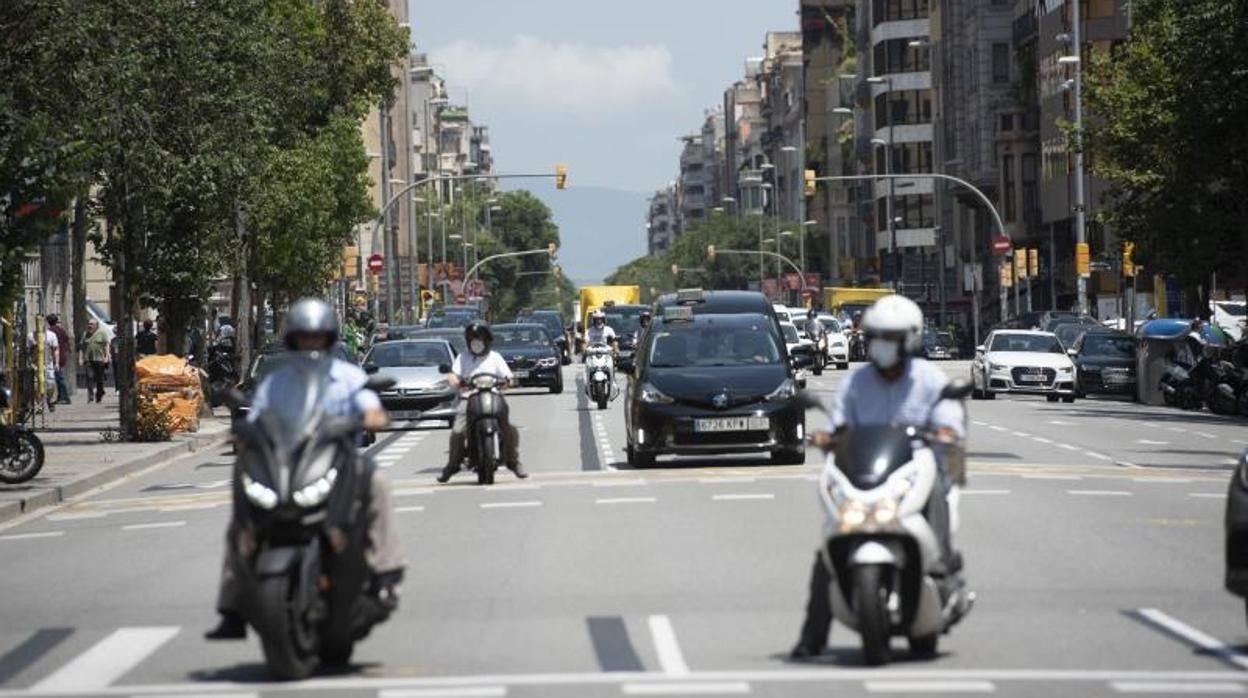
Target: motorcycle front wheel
(22, 458)
(280, 632)
(871, 605)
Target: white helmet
(898, 321)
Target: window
(915, 211)
(1007, 174)
(907, 157)
(908, 107)
(1007, 122)
(897, 10)
(1000, 63)
(897, 56)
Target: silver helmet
(310, 316)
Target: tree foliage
(1168, 128)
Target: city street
(1092, 535)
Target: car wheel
(976, 393)
(1051, 398)
(1068, 398)
(557, 387)
(989, 395)
(844, 366)
(639, 460)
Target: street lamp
(801, 243)
(843, 111)
(1075, 61)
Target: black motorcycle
(222, 376)
(300, 529)
(21, 451)
(1182, 385)
(486, 426)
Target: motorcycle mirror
(444, 368)
(379, 383)
(234, 399)
(956, 389)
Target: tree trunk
(263, 296)
(244, 322)
(124, 316)
(78, 284)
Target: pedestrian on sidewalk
(95, 348)
(145, 340)
(63, 345)
(50, 350)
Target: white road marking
(671, 660)
(1125, 464)
(203, 695)
(510, 505)
(730, 480)
(626, 500)
(75, 516)
(1041, 439)
(1022, 434)
(1171, 688)
(401, 510)
(1208, 495)
(1068, 447)
(955, 687)
(994, 427)
(1162, 480)
(1239, 441)
(1178, 430)
(738, 497)
(1205, 434)
(1042, 476)
(1193, 636)
(620, 483)
(190, 507)
(979, 423)
(464, 692)
(975, 492)
(1060, 423)
(1098, 456)
(686, 688)
(1149, 442)
(106, 661)
(157, 524)
(1099, 493)
(30, 536)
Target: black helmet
(310, 316)
(478, 330)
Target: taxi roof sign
(677, 313)
(690, 295)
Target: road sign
(1000, 244)
(460, 299)
(376, 263)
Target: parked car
(1029, 362)
(1104, 363)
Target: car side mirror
(444, 368)
(956, 389)
(979, 349)
(1073, 352)
(370, 367)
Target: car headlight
(441, 385)
(1066, 370)
(838, 342)
(785, 391)
(652, 395)
(996, 367)
(315, 493)
(259, 494)
(549, 362)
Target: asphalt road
(1092, 534)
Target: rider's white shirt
(599, 335)
(468, 365)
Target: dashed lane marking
(1169, 688)
(626, 500)
(671, 659)
(154, 524)
(1205, 434)
(1192, 636)
(950, 687)
(1044, 476)
(686, 688)
(1098, 456)
(1149, 442)
(404, 510)
(460, 692)
(741, 497)
(106, 661)
(1207, 495)
(32, 536)
(1163, 480)
(1022, 434)
(1068, 447)
(1099, 493)
(983, 492)
(510, 505)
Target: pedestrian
(96, 349)
(50, 352)
(145, 340)
(63, 345)
(195, 343)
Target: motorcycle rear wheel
(25, 461)
(871, 605)
(278, 632)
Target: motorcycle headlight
(652, 395)
(259, 494)
(315, 493)
(549, 362)
(786, 390)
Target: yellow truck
(595, 297)
(851, 299)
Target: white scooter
(600, 374)
(878, 548)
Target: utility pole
(387, 245)
(1081, 233)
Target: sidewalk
(78, 458)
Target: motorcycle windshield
(868, 455)
(294, 400)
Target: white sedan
(836, 341)
(1022, 361)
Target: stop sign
(1000, 244)
(376, 263)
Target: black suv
(531, 355)
(712, 377)
(552, 320)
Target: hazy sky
(605, 87)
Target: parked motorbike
(1231, 391)
(1181, 385)
(879, 549)
(300, 537)
(222, 376)
(487, 419)
(599, 375)
(21, 451)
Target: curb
(60, 493)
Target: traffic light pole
(551, 250)
(779, 258)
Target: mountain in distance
(600, 229)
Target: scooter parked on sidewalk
(880, 550)
(21, 451)
(300, 537)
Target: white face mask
(477, 347)
(884, 354)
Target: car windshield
(624, 324)
(265, 364)
(1041, 343)
(1236, 309)
(790, 333)
(1109, 346)
(714, 340)
(519, 336)
(408, 354)
(1069, 333)
(830, 324)
(451, 319)
(552, 323)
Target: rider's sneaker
(445, 477)
(518, 471)
(231, 627)
(802, 653)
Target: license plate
(1033, 378)
(405, 414)
(717, 424)
(522, 374)
(1117, 377)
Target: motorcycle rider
(643, 321)
(599, 332)
(479, 359)
(311, 326)
(895, 388)
(816, 332)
